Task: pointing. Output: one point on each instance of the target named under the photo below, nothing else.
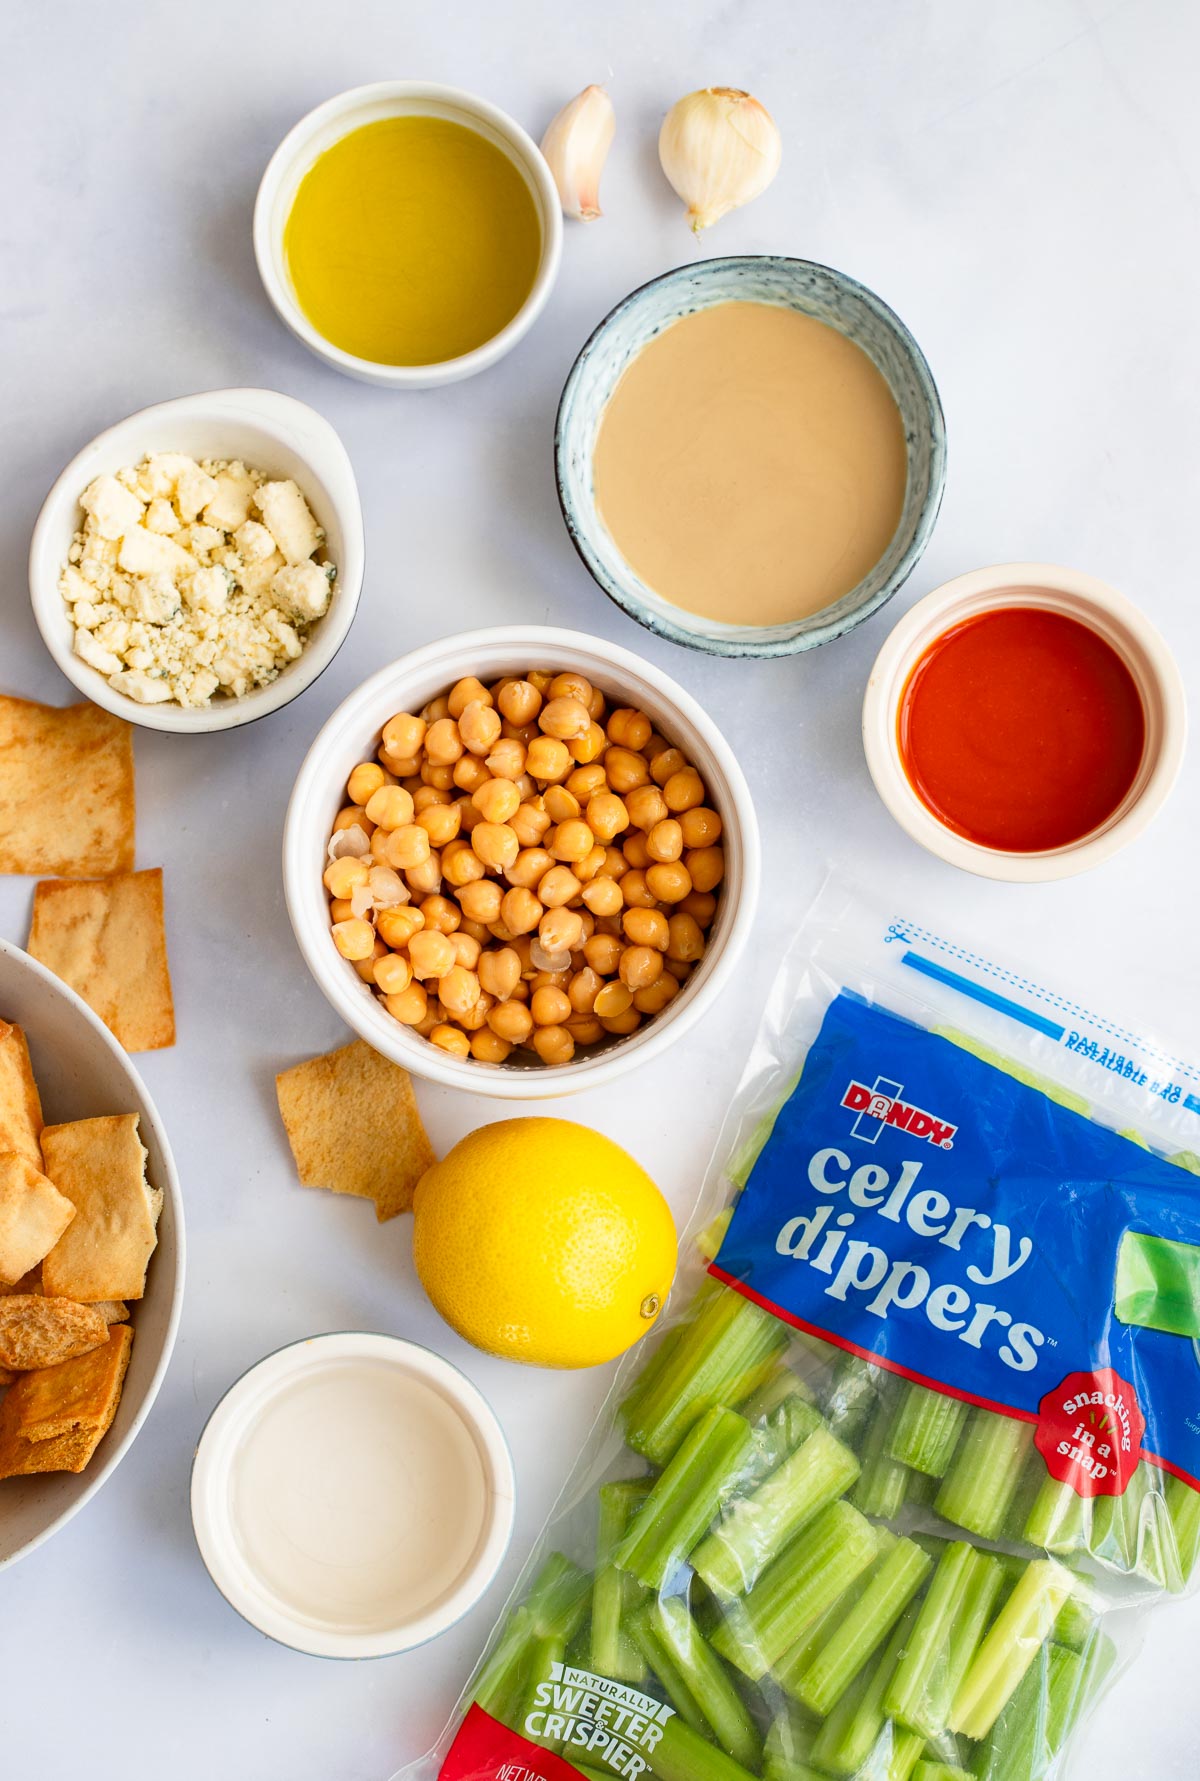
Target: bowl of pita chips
(91, 1253)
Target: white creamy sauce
(358, 1497)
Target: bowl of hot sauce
(1024, 722)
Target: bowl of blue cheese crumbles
(201, 584)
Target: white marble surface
(1020, 182)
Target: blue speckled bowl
(815, 290)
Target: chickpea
(396, 927)
(469, 815)
(706, 866)
(640, 967)
(406, 847)
(474, 1019)
(430, 954)
(684, 790)
(410, 1006)
(636, 853)
(701, 826)
(603, 896)
(404, 735)
(520, 911)
(646, 806)
(522, 733)
(433, 1018)
(547, 759)
(530, 867)
(488, 1047)
(603, 953)
(549, 1006)
(341, 909)
(654, 999)
(629, 728)
(626, 770)
(497, 800)
(527, 788)
(479, 728)
(646, 927)
(586, 781)
(496, 844)
(499, 931)
(441, 822)
(554, 1045)
(606, 815)
(466, 949)
(461, 865)
(352, 817)
(365, 780)
(392, 973)
(597, 705)
(569, 685)
(499, 971)
(560, 930)
(519, 702)
(436, 708)
(589, 747)
(608, 924)
(530, 823)
(402, 765)
(571, 840)
(666, 762)
(442, 777)
(391, 807)
(583, 989)
(481, 900)
(470, 773)
(441, 915)
(585, 1029)
(613, 999)
(685, 941)
(669, 881)
(511, 1021)
(589, 867)
(701, 904)
(443, 744)
(665, 841)
(565, 718)
(615, 864)
(561, 805)
(557, 886)
(450, 1039)
(636, 890)
(469, 930)
(679, 970)
(458, 990)
(507, 759)
(426, 797)
(425, 879)
(523, 947)
(354, 939)
(343, 877)
(467, 692)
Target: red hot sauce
(1021, 729)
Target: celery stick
(893, 1582)
(1034, 1726)
(796, 1660)
(1183, 1509)
(883, 1481)
(707, 1680)
(554, 1608)
(499, 1689)
(917, 1695)
(661, 1661)
(919, 1488)
(784, 1430)
(757, 1527)
(558, 1598)
(1127, 1531)
(684, 1755)
(1078, 1617)
(780, 1388)
(853, 1729)
(685, 1497)
(905, 1753)
(979, 1487)
(1009, 1647)
(788, 1744)
(852, 1397)
(1028, 1489)
(940, 1771)
(984, 1587)
(543, 1654)
(1060, 1519)
(614, 1592)
(796, 1590)
(719, 1358)
(925, 1430)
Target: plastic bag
(884, 1498)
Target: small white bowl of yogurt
(352, 1495)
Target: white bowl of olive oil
(408, 234)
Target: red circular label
(1089, 1432)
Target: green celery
(1009, 1647)
(1028, 1489)
(685, 1497)
(1183, 1509)
(1078, 1617)
(984, 1587)
(685, 1755)
(892, 1584)
(781, 1387)
(542, 1656)
(757, 1527)
(707, 1680)
(917, 1694)
(660, 1660)
(925, 1430)
(500, 1687)
(979, 1488)
(796, 1590)
(1127, 1531)
(718, 1358)
(919, 1489)
(795, 1661)
(853, 1729)
(1036, 1723)
(852, 1397)
(788, 1744)
(614, 1592)
(553, 1609)
(904, 1753)
(1060, 1520)
(940, 1771)
(883, 1482)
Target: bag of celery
(876, 1503)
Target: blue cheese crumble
(189, 581)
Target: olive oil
(412, 241)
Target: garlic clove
(576, 147)
(719, 148)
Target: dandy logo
(882, 1106)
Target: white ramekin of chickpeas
(521, 860)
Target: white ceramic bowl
(368, 105)
(82, 1072)
(269, 432)
(352, 735)
(376, 1542)
(1075, 595)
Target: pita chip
(105, 937)
(53, 1420)
(353, 1126)
(66, 790)
(100, 1166)
(20, 1106)
(33, 1216)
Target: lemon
(541, 1241)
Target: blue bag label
(921, 1207)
